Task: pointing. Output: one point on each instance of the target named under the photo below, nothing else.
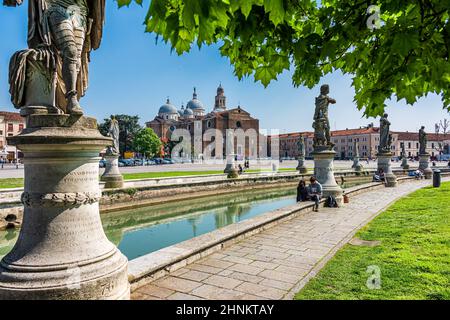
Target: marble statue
(321, 125)
(385, 136)
(302, 147)
(114, 133)
(52, 74)
(423, 141)
(356, 147)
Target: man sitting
(418, 174)
(315, 192)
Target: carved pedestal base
(112, 176)
(424, 165)
(230, 163)
(324, 172)
(384, 162)
(301, 168)
(62, 251)
(405, 164)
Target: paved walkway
(275, 263)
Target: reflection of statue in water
(114, 133)
(321, 125)
(52, 74)
(423, 140)
(385, 136)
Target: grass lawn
(11, 183)
(414, 255)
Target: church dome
(188, 112)
(195, 104)
(168, 108)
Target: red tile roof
(12, 116)
(351, 132)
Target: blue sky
(131, 74)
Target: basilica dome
(168, 108)
(195, 104)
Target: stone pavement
(278, 262)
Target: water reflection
(141, 231)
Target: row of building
(368, 139)
(195, 119)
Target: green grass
(414, 255)
(11, 183)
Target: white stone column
(424, 165)
(62, 251)
(324, 172)
(231, 163)
(384, 162)
(112, 176)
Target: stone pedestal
(384, 162)
(405, 164)
(62, 251)
(424, 165)
(357, 166)
(301, 168)
(112, 176)
(231, 163)
(324, 172)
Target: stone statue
(403, 150)
(114, 133)
(321, 125)
(356, 147)
(302, 147)
(52, 75)
(385, 136)
(423, 141)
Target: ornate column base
(62, 251)
(301, 168)
(384, 162)
(357, 166)
(405, 164)
(324, 172)
(424, 165)
(230, 164)
(112, 176)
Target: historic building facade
(368, 139)
(11, 124)
(194, 119)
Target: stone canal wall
(138, 193)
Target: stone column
(405, 164)
(112, 176)
(324, 172)
(384, 162)
(230, 166)
(424, 165)
(301, 165)
(62, 251)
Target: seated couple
(311, 193)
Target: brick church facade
(195, 119)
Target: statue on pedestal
(385, 136)
(52, 74)
(321, 125)
(114, 133)
(301, 147)
(423, 140)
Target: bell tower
(221, 100)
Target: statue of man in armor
(321, 120)
(423, 140)
(61, 35)
(385, 136)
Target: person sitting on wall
(379, 176)
(315, 192)
(418, 174)
(240, 169)
(302, 191)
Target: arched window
(238, 124)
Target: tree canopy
(147, 142)
(396, 48)
(128, 127)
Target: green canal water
(141, 231)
